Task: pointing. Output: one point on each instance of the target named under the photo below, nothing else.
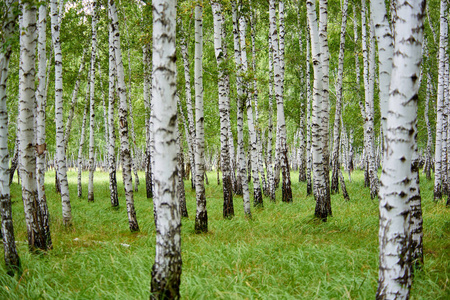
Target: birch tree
(166, 271)
(242, 178)
(112, 75)
(12, 260)
(201, 217)
(148, 133)
(37, 238)
(257, 193)
(60, 151)
(337, 115)
(224, 109)
(92, 101)
(123, 121)
(395, 193)
(443, 41)
(41, 103)
(320, 175)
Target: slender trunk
(112, 74)
(337, 115)
(80, 148)
(190, 114)
(166, 271)
(428, 154)
(201, 218)
(399, 186)
(224, 109)
(308, 116)
(92, 101)
(147, 100)
(443, 40)
(181, 195)
(123, 121)
(270, 169)
(60, 151)
(12, 260)
(41, 103)
(257, 193)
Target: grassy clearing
(283, 253)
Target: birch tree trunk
(12, 260)
(337, 115)
(242, 180)
(257, 193)
(187, 81)
(112, 74)
(92, 101)
(320, 176)
(396, 192)
(181, 195)
(428, 157)
(80, 148)
(224, 105)
(60, 151)
(123, 121)
(201, 217)
(41, 103)
(443, 41)
(166, 271)
(308, 115)
(270, 169)
(37, 238)
(147, 100)
(369, 61)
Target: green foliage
(282, 253)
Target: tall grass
(282, 253)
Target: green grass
(282, 253)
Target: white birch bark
(369, 68)
(60, 151)
(123, 121)
(80, 147)
(308, 115)
(224, 109)
(12, 260)
(26, 123)
(443, 42)
(337, 114)
(395, 193)
(319, 173)
(286, 190)
(92, 101)
(41, 103)
(257, 193)
(355, 40)
(166, 272)
(201, 217)
(428, 154)
(270, 169)
(148, 134)
(190, 114)
(112, 75)
(242, 179)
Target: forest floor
(282, 253)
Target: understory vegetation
(282, 253)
